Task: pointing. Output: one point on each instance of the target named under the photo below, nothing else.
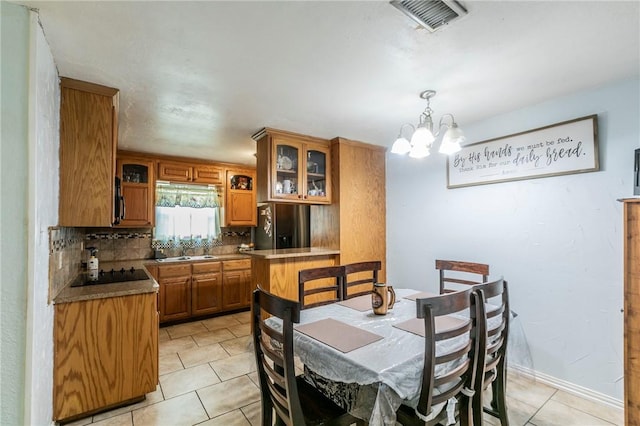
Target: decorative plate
(286, 163)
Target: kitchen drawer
(166, 271)
(232, 265)
(206, 267)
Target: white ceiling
(198, 79)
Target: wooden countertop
(292, 252)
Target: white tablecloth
(394, 363)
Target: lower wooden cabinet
(105, 353)
(175, 292)
(194, 289)
(236, 283)
(206, 288)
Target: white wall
(14, 30)
(44, 143)
(558, 240)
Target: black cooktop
(112, 276)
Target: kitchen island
(276, 270)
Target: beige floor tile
(169, 363)
(254, 378)
(243, 317)
(150, 398)
(490, 420)
(603, 411)
(528, 390)
(187, 380)
(234, 418)
(121, 420)
(176, 345)
(202, 355)
(555, 413)
(253, 412)
(240, 330)
(186, 329)
(227, 396)
(163, 335)
(220, 322)
(184, 410)
(519, 412)
(80, 422)
(211, 337)
(238, 345)
(235, 366)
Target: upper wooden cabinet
(186, 172)
(240, 192)
(137, 187)
(292, 167)
(88, 140)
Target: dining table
(345, 342)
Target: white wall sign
(558, 149)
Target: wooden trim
(186, 160)
(286, 134)
(350, 142)
(87, 87)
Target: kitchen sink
(183, 258)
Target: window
(186, 215)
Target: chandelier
(423, 136)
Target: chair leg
(498, 389)
(467, 413)
(477, 408)
(267, 412)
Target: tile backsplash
(65, 252)
(68, 254)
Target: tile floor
(207, 378)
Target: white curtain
(186, 212)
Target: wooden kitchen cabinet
(236, 284)
(88, 140)
(292, 167)
(240, 206)
(206, 288)
(138, 189)
(355, 223)
(105, 353)
(193, 289)
(631, 222)
(188, 172)
(175, 292)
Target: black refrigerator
(282, 226)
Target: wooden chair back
(320, 286)
(440, 381)
(359, 278)
(494, 296)
(454, 275)
(274, 357)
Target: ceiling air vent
(431, 14)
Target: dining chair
(360, 277)
(495, 308)
(320, 286)
(455, 274)
(293, 401)
(448, 369)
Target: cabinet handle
(123, 207)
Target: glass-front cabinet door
(289, 180)
(317, 182)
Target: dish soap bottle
(92, 263)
